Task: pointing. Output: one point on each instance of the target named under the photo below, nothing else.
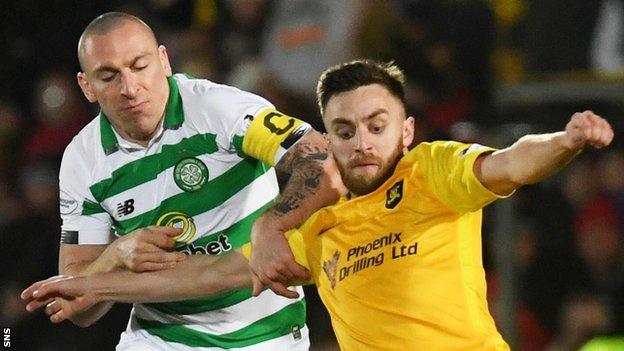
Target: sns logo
(6, 342)
(182, 221)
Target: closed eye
(139, 68)
(108, 78)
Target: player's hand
(147, 249)
(62, 296)
(587, 128)
(272, 263)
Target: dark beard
(359, 186)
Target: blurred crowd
(568, 256)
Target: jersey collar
(174, 117)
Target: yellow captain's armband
(297, 246)
(271, 134)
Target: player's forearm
(92, 315)
(313, 182)
(199, 275)
(88, 317)
(82, 260)
(535, 157)
(70, 265)
(101, 265)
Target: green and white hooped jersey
(196, 174)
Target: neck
(141, 138)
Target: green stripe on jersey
(237, 140)
(270, 327)
(203, 304)
(90, 208)
(238, 234)
(213, 194)
(147, 168)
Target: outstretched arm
(199, 275)
(313, 182)
(535, 157)
(142, 250)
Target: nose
(129, 86)
(363, 141)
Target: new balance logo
(125, 208)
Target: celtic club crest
(190, 174)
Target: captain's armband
(271, 134)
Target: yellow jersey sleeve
(270, 135)
(447, 167)
(298, 248)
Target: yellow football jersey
(401, 268)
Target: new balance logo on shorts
(125, 208)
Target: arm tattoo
(303, 169)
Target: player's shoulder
(214, 95)
(433, 149)
(86, 143)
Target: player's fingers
(587, 130)
(603, 135)
(283, 290)
(162, 257)
(258, 285)
(163, 241)
(169, 257)
(589, 114)
(27, 293)
(170, 232)
(596, 127)
(283, 270)
(36, 304)
(58, 317)
(578, 126)
(579, 119)
(298, 272)
(293, 271)
(607, 133)
(155, 266)
(173, 256)
(52, 307)
(52, 288)
(275, 276)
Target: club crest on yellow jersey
(394, 195)
(330, 267)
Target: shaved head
(125, 72)
(105, 23)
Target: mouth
(135, 107)
(365, 166)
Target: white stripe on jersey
(225, 320)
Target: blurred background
(487, 71)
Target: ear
(408, 132)
(85, 87)
(164, 60)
